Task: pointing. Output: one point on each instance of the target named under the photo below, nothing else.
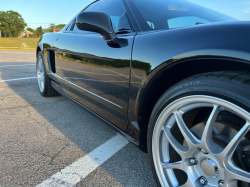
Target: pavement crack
(55, 155)
(48, 163)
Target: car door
(95, 72)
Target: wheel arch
(156, 84)
(38, 49)
(39, 46)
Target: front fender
(162, 49)
(45, 43)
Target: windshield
(170, 14)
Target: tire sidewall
(228, 90)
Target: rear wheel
(198, 134)
(44, 82)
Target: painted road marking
(18, 79)
(17, 65)
(116, 72)
(73, 174)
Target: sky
(42, 13)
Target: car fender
(166, 48)
(44, 45)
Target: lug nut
(221, 183)
(203, 180)
(205, 152)
(193, 161)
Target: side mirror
(99, 22)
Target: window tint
(114, 8)
(75, 29)
(185, 21)
(123, 24)
(165, 14)
(68, 27)
(73, 25)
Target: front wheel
(43, 80)
(198, 133)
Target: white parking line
(17, 79)
(80, 169)
(116, 72)
(17, 65)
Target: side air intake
(52, 61)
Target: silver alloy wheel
(204, 150)
(40, 74)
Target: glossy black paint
(113, 78)
(169, 47)
(95, 73)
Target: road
(41, 137)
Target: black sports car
(169, 75)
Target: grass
(16, 42)
(17, 49)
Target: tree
(51, 27)
(46, 30)
(12, 23)
(59, 26)
(39, 31)
(4, 27)
(30, 29)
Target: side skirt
(58, 88)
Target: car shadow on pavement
(40, 136)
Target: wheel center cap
(209, 167)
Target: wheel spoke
(39, 65)
(234, 173)
(191, 140)
(206, 139)
(195, 148)
(180, 149)
(42, 77)
(40, 74)
(42, 85)
(176, 165)
(227, 153)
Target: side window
(68, 27)
(116, 11)
(185, 21)
(73, 25)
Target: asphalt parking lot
(41, 138)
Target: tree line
(39, 31)
(12, 24)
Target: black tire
(230, 86)
(48, 90)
